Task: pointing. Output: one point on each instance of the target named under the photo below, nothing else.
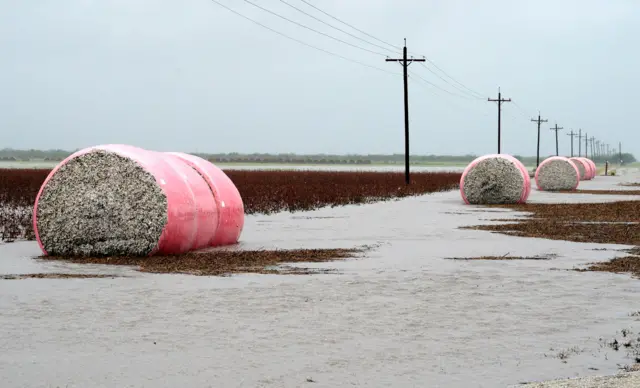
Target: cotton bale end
(557, 173)
(123, 200)
(495, 179)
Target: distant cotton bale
(583, 167)
(124, 200)
(592, 167)
(495, 179)
(557, 173)
(595, 168)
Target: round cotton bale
(122, 200)
(583, 168)
(592, 170)
(557, 173)
(228, 199)
(495, 179)
(595, 168)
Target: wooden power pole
(556, 128)
(405, 62)
(572, 134)
(539, 120)
(499, 100)
(620, 151)
(579, 141)
(586, 144)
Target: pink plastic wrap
(206, 209)
(183, 188)
(558, 158)
(526, 190)
(595, 168)
(227, 197)
(592, 167)
(587, 167)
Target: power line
(332, 26)
(476, 94)
(453, 79)
(302, 42)
(449, 83)
(454, 103)
(522, 111)
(349, 25)
(311, 29)
(437, 87)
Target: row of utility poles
(598, 148)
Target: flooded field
(403, 315)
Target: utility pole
(586, 145)
(572, 134)
(500, 100)
(579, 141)
(556, 128)
(608, 150)
(405, 62)
(591, 140)
(539, 120)
(620, 151)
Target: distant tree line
(8, 154)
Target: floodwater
(400, 316)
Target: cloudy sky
(190, 75)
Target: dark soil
(627, 264)
(549, 257)
(54, 276)
(225, 262)
(603, 192)
(605, 223)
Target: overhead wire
(314, 30)
(468, 93)
(449, 83)
(302, 42)
(349, 25)
(466, 90)
(437, 86)
(332, 26)
(453, 79)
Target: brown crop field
(262, 191)
(604, 223)
(225, 262)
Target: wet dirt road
(401, 316)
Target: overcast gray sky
(189, 75)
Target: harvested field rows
(263, 192)
(605, 223)
(223, 262)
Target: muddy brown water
(401, 316)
